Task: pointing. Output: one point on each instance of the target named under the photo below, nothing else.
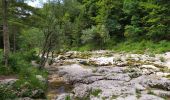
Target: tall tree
(5, 33)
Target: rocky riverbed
(105, 75)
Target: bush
(6, 93)
(19, 64)
(96, 35)
(3, 70)
(132, 32)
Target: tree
(5, 33)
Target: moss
(114, 96)
(166, 97)
(138, 93)
(96, 92)
(68, 97)
(164, 69)
(162, 59)
(104, 98)
(94, 70)
(168, 76)
(83, 55)
(108, 55)
(151, 55)
(133, 63)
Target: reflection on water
(58, 87)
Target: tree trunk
(5, 33)
(14, 40)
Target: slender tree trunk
(14, 40)
(5, 33)
(45, 50)
(14, 43)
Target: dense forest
(30, 34)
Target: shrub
(6, 93)
(19, 63)
(3, 70)
(97, 35)
(132, 31)
(96, 92)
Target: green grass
(68, 97)
(87, 47)
(96, 92)
(139, 47)
(143, 47)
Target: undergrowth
(140, 47)
(20, 66)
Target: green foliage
(3, 70)
(132, 31)
(68, 98)
(19, 64)
(89, 34)
(143, 46)
(20, 60)
(138, 26)
(6, 93)
(95, 34)
(31, 38)
(87, 47)
(76, 23)
(96, 92)
(158, 31)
